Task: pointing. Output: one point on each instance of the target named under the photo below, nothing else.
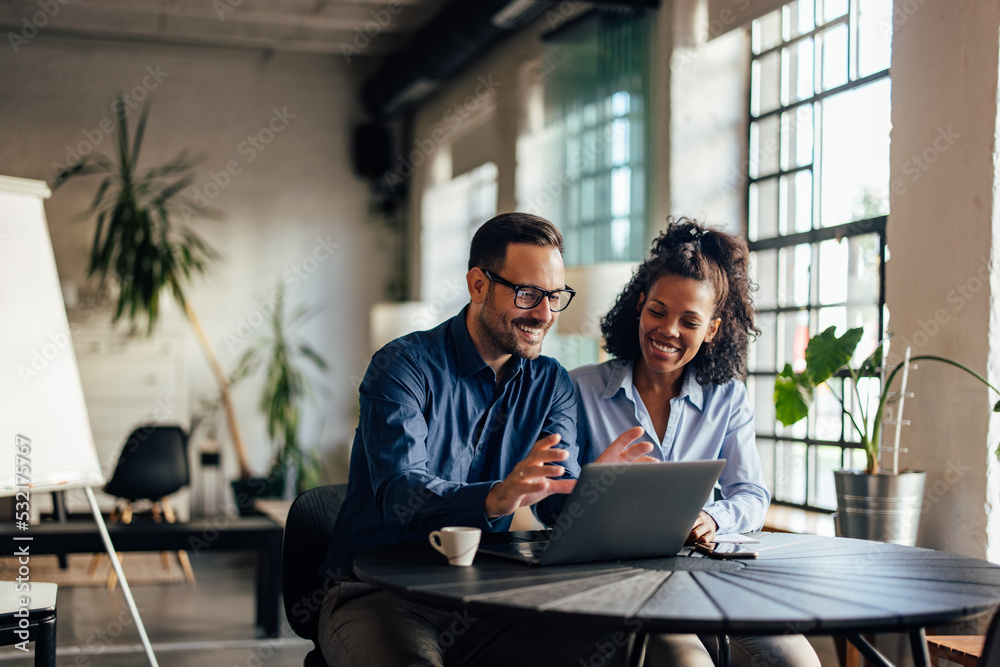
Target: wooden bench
(260, 535)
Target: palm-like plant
(138, 245)
(284, 389)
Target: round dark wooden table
(797, 584)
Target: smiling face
(502, 329)
(675, 319)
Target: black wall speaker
(371, 150)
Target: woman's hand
(704, 529)
(625, 449)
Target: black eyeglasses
(528, 296)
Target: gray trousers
(361, 625)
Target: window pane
(790, 472)
(619, 141)
(832, 317)
(793, 275)
(764, 405)
(764, 209)
(874, 36)
(619, 238)
(833, 256)
(798, 18)
(766, 83)
(827, 413)
(764, 272)
(833, 8)
(797, 71)
(858, 459)
(621, 192)
(797, 137)
(761, 356)
(863, 284)
(587, 245)
(764, 147)
(587, 199)
(824, 460)
(855, 154)
(588, 151)
(834, 45)
(620, 103)
(766, 450)
(795, 205)
(792, 337)
(766, 32)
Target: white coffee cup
(458, 543)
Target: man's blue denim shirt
(436, 433)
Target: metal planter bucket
(879, 507)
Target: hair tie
(696, 234)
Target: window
(817, 200)
(451, 213)
(583, 164)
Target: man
(461, 425)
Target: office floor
(208, 625)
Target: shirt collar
(620, 379)
(470, 361)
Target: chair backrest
(153, 464)
(308, 530)
(991, 649)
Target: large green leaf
(792, 396)
(827, 354)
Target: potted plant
(285, 388)
(139, 245)
(871, 504)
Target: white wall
(941, 281)
(294, 211)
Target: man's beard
(499, 335)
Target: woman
(678, 334)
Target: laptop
(622, 511)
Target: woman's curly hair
(689, 250)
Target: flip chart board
(45, 437)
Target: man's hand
(530, 481)
(623, 451)
(704, 529)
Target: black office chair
(153, 464)
(308, 530)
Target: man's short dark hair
(489, 245)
